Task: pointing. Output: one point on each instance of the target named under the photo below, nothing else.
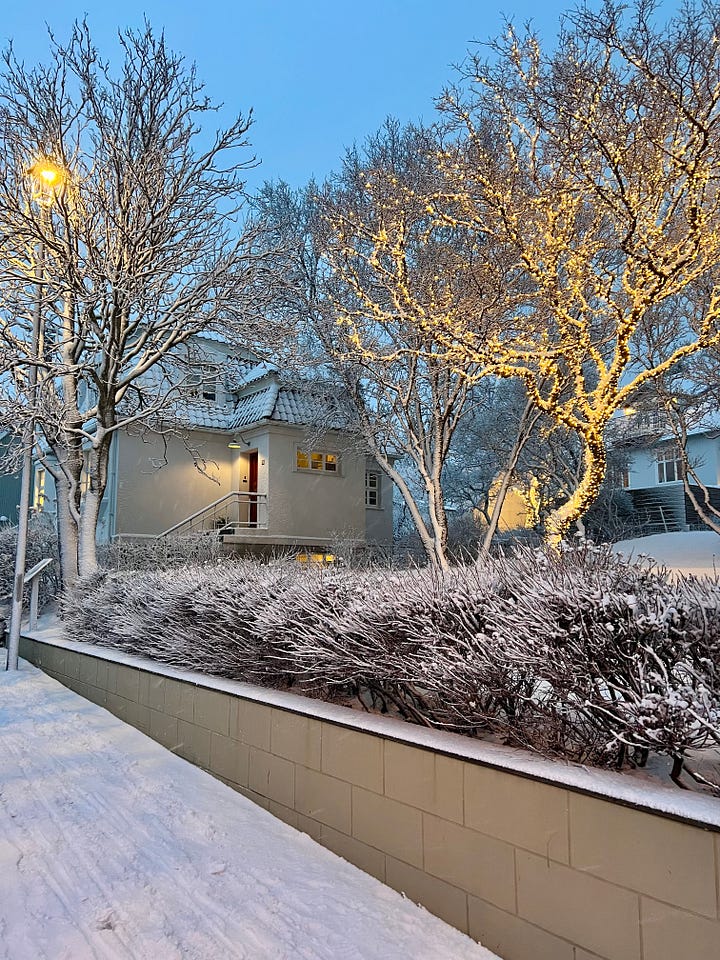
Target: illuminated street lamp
(48, 180)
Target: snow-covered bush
(159, 553)
(580, 654)
(623, 657)
(196, 617)
(41, 543)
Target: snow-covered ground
(696, 551)
(111, 847)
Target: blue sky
(319, 74)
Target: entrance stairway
(227, 516)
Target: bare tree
(689, 402)
(594, 167)
(129, 248)
(397, 273)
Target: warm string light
(603, 229)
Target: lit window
(372, 488)
(619, 477)
(39, 498)
(671, 465)
(318, 461)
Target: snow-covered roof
(262, 396)
(255, 406)
(241, 372)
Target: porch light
(236, 442)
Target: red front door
(252, 486)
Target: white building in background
(654, 467)
(241, 456)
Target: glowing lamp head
(48, 178)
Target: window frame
(377, 489)
(202, 384)
(669, 455)
(318, 456)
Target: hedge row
(580, 654)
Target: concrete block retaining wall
(536, 870)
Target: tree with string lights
(594, 167)
(397, 274)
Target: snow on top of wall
(605, 784)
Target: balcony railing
(229, 515)
(639, 427)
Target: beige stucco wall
(379, 522)
(323, 506)
(535, 870)
(150, 498)
(310, 507)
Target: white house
(654, 467)
(241, 456)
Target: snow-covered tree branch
(135, 247)
(593, 167)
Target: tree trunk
(97, 468)
(594, 463)
(65, 465)
(67, 534)
(707, 513)
(87, 539)
(435, 549)
(496, 511)
(438, 522)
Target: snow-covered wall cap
(698, 810)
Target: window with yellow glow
(39, 498)
(317, 461)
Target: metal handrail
(211, 511)
(32, 576)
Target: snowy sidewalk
(112, 847)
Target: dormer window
(202, 382)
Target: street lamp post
(48, 179)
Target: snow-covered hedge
(145, 553)
(41, 543)
(582, 654)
